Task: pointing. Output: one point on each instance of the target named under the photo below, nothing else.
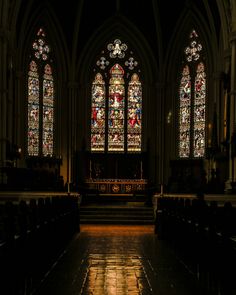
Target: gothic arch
(191, 18)
(44, 17)
(188, 21)
(111, 29)
(127, 32)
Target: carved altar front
(117, 186)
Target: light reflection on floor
(118, 260)
(116, 230)
(112, 273)
(115, 274)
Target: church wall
(160, 73)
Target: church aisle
(120, 260)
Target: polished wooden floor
(109, 260)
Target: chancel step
(116, 214)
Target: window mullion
(192, 114)
(41, 114)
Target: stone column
(3, 93)
(160, 162)
(71, 130)
(19, 115)
(232, 163)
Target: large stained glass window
(192, 102)
(40, 99)
(116, 103)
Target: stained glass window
(184, 113)
(134, 118)
(116, 101)
(199, 111)
(48, 116)
(33, 110)
(192, 102)
(116, 109)
(98, 114)
(40, 99)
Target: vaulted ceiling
(156, 20)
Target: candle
(141, 169)
(225, 114)
(209, 134)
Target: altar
(114, 174)
(117, 186)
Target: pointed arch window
(192, 101)
(40, 99)
(116, 108)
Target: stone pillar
(71, 131)
(3, 91)
(19, 115)
(232, 162)
(160, 162)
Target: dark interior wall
(77, 34)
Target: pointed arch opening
(116, 101)
(41, 98)
(192, 101)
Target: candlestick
(209, 135)
(225, 114)
(141, 169)
(90, 169)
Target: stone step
(120, 214)
(117, 222)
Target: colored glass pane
(184, 113)
(98, 114)
(199, 112)
(48, 111)
(134, 114)
(116, 109)
(192, 52)
(33, 110)
(117, 49)
(40, 47)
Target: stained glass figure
(184, 113)
(199, 111)
(98, 114)
(48, 111)
(134, 114)
(116, 109)
(33, 110)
